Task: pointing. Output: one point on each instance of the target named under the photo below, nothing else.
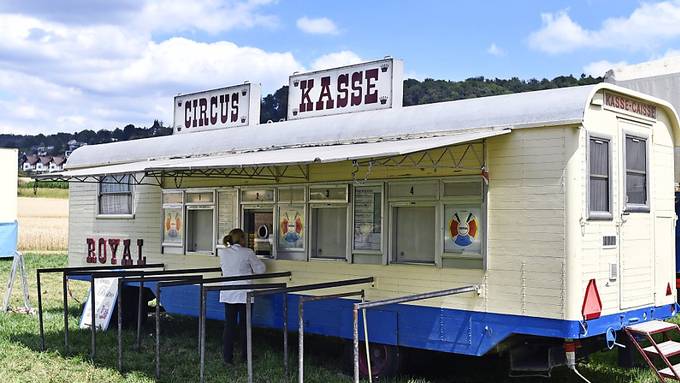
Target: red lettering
(195, 108)
(224, 108)
(356, 87)
(371, 98)
(140, 260)
(305, 87)
(203, 112)
(234, 107)
(213, 110)
(100, 255)
(325, 92)
(113, 243)
(127, 257)
(91, 257)
(187, 114)
(343, 93)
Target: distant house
(43, 164)
(73, 145)
(30, 163)
(57, 164)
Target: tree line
(274, 108)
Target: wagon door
(636, 250)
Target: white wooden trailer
(558, 203)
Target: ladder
(663, 350)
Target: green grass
(42, 192)
(21, 360)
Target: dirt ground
(43, 223)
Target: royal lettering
(91, 256)
(97, 251)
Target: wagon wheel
(385, 360)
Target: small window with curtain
(599, 183)
(115, 195)
(637, 194)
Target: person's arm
(256, 263)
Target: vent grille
(609, 241)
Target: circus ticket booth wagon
(556, 206)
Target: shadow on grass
(324, 356)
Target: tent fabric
(8, 238)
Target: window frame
(175, 205)
(383, 215)
(635, 207)
(311, 234)
(438, 235)
(130, 193)
(600, 215)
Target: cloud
(495, 50)
(210, 16)
(336, 59)
(59, 76)
(645, 29)
(318, 26)
(599, 68)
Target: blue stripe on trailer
(431, 328)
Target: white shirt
(237, 260)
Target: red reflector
(592, 305)
(668, 289)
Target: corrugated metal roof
(549, 107)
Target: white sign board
(217, 109)
(8, 192)
(105, 295)
(354, 88)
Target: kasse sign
(217, 109)
(355, 88)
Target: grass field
(42, 193)
(20, 360)
(43, 223)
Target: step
(667, 373)
(651, 327)
(668, 348)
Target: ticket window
(329, 232)
(414, 234)
(200, 230)
(258, 225)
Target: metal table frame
(64, 270)
(285, 290)
(118, 274)
(201, 314)
(409, 298)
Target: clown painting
(463, 230)
(291, 228)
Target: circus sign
(463, 230)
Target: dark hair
(233, 237)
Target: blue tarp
(8, 238)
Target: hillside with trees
(274, 108)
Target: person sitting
(236, 259)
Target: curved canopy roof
(521, 110)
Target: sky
(71, 65)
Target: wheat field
(43, 223)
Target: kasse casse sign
(217, 109)
(354, 88)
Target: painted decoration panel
(463, 231)
(291, 227)
(172, 226)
